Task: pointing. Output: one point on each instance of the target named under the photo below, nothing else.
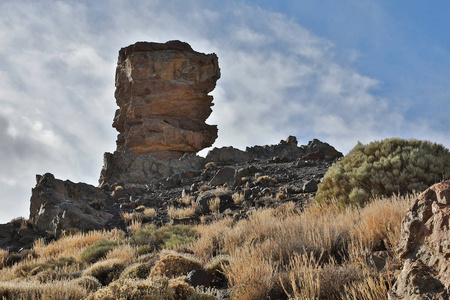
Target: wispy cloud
(57, 64)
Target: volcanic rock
(425, 247)
(284, 151)
(162, 94)
(58, 205)
(124, 167)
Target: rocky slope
(264, 175)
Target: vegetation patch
(384, 168)
(97, 250)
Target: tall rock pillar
(162, 94)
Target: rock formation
(59, 205)
(286, 150)
(425, 247)
(162, 94)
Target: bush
(166, 237)
(137, 270)
(106, 271)
(89, 283)
(384, 168)
(173, 264)
(97, 250)
(51, 264)
(157, 289)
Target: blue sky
(341, 71)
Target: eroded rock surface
(124, 167)
(425, 247)
(162, 94)
(58, 205)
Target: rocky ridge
(58, 206)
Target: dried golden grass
(149, 212)
(74, 244)
(187, 199)
(380, 221)
(320, 252)
(128, 217)
(3, 254)
(124, 252)
(250, 274)
(181, 213)
(32, 290)
(134, 226)
(214, 205)
(322, 237)
(238, 198)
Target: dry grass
(124, 252)
(149, 213)
(210, 165)
(204, 188)
(129, 217)
(187, 200)
(331, 244)
(181, 213)
(74, 244)
(238, 198)
(379, 221)
(250, 273)
(33, 290)
(318, 253)
(134, 226)
(3, 254)
(214, 205)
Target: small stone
(310, 186)
(198, 277)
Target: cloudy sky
(341, 71)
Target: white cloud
(57, 64)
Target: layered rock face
(57, 205)
(162, 94)
(425, 247)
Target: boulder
(58, 205)
(15, 236)
(224, 175)
(227, 156)
(320, 150)
(425, 247)
(162, 93)
(310, 186)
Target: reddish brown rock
(425, 247)
(162, 94)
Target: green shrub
(150, 238)
(383, 168)
(137, 270)
(201, 296)
(97, 250)
(88, 283)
